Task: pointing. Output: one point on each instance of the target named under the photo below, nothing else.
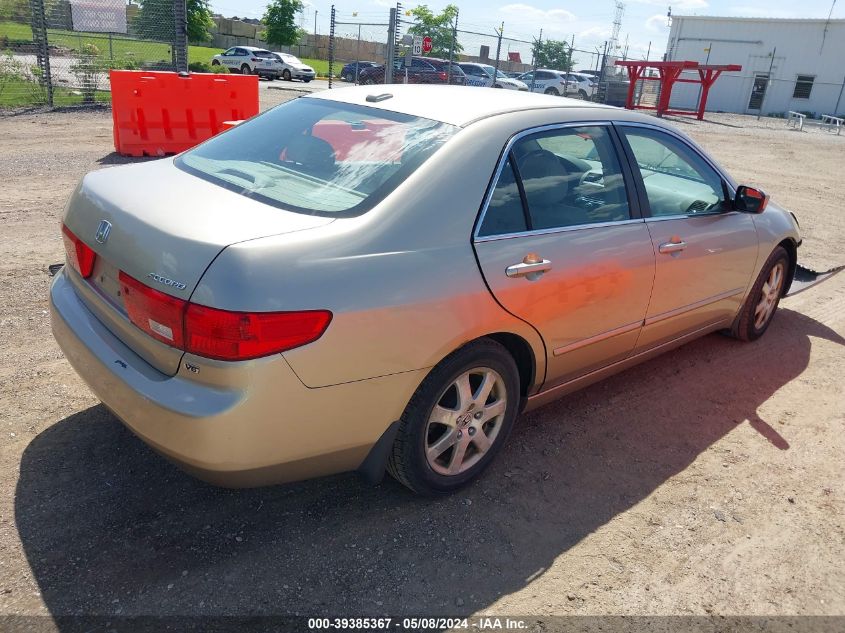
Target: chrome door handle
(531, 267)
(672, 247)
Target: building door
(758, 91)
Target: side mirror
(750, 200)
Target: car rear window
(318, 157)
(262, 54)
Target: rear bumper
(247, 424)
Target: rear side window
(570, 177)
(317, 156)
(504, 212)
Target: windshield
(318, 157)
(290, 59)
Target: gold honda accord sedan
(383, 277)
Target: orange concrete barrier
(158, 113)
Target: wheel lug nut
(471, 431)
(478, 415)
(460, 434)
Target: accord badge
(167, 282)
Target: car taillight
(79, 255)
(228, 335)
(218, 334)
(156, 313)
(442, 76)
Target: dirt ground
(708, 481)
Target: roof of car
(455, 105)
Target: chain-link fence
(358, 41)
(59, 52)
(363, 45)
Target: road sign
(426, 44)
(418, 45)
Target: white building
(786, 64)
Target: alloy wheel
(466, 421)
(769, 295)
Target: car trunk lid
(162, 227)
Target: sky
(644, 22)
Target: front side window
(677, 180)
(230, 52)
(569, 177)
(317, 156)
(803, 87)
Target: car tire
(305, 81)
(347, 78)
(498, 86)
(214, 62)
(439, 417)
(760, 305)
(286, 75)
(551, 91)
(582, 94)
(245, 69)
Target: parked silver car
(249, 60)
(291, 67)
(384, 277)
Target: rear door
(705, 251)
(562, 247)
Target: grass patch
(18, 93)
(120, 47)
(123, 47)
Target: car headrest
(544, 178)
(311, 152)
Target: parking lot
(710, 480)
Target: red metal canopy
(669, 73)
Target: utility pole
(537, 46)
(315, 21)
(500, 32)
(452, 47)
(391, 47)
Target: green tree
(199, 21)
(155, 20)
(438, 27)
(553, 54)
(280, 20)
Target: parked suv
(482, 75)
(423, 70)
(580, 84)
(547, 81)
(249, 60)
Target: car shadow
(111, 528)
(113, 158)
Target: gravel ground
(707, 481)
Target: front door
(561, 248)
(758, 91)
(705, 252)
